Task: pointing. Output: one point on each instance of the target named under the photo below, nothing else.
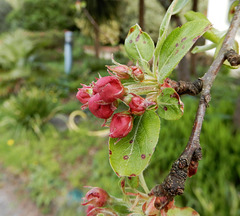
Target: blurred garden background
(50, 149)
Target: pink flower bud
(137, 73)
(109, 88)
(121, 71)
(137, 105)
(121, 125)
(83, 94)
(96, 197)
(99, 108)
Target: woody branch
(186, 164)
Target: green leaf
(177, 44)
(204, 48)
(174, 8)
(170, 106)
(179, 6)
(131, 155)
(139, 45)
(232, 10)
(212, 34)
(186, 211)
(133, 182)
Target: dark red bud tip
(137, 73)
(121, 125)
(109, 88)
(99, 108)
(192, 169)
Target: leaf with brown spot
(139, 45)
(170, 54)
(170, 107)
(186, 211)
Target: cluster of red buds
(102, 99)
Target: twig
(186, 164)
(233, 57)
(184, 87)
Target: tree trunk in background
(96, 42)
(236, 117)
(193, 57)
(141, 13)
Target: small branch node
(232, 57)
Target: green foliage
(170, 105)
(47, 15)
(29, 110)
(186, 211)
(5, 8)
(102, 10)
(177, 44)
(139, 45)
(17, 60)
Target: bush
(29, 110)
(48, 14)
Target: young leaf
(139, 45)
(177, 44)
(170, 106)
(212, 34)
(131, 155)
(186, 211)
(133, 182)
(179, 6)
(174, 8)
(204, 48)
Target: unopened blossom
(96, 197)
(121, 71)
(137, 105)
(121, 125)
(109, 88)
(84, 94)
(99, 108)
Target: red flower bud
(99, 108)
(121, 125)
(109, 88)
(96, 197)
(83, 94)
(137, 105)
(137, 73)
(120, 71)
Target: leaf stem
(143, 183)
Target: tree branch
(184, 87)
(186, 164)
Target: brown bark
(141, 13)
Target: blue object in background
(74, 196)
(68, 52)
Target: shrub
(29, 110)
